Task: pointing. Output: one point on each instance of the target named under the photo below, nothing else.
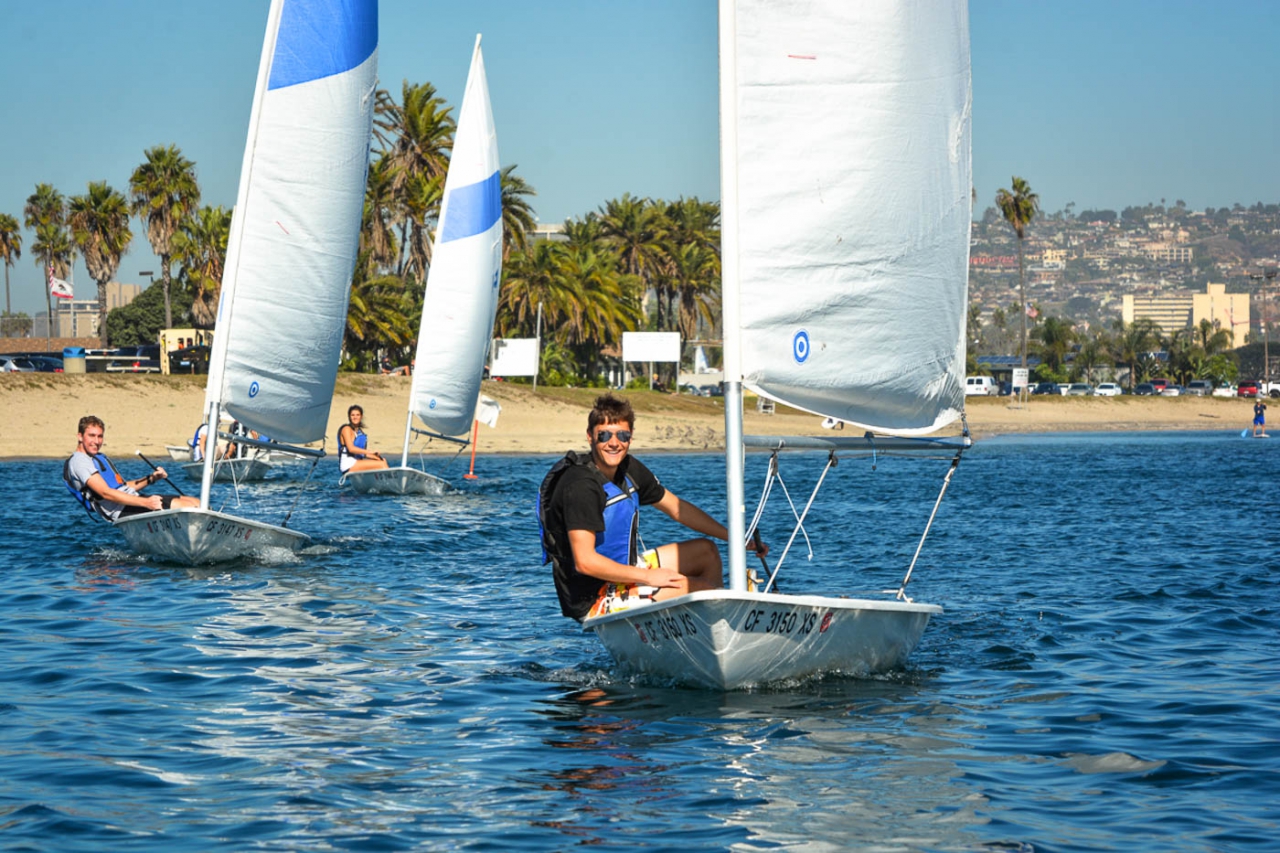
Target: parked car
(1144, 389)
(982, 386)
(1107, 389)
(15, 364)
(1247, 388)
(1199, 388)
(1160, 384)
(45, 363)
(1224, 391)
(1079, 389)
(134, 364)
(1048, 388)
(1171, 391)
(189, 360)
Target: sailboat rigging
(846, 180)
(290, 258)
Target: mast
(733, 452)
(218, 351)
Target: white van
(981, 386)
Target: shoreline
(151, 411)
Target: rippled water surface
(1106, 675)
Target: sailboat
(461, 298)
(846, 205)
(290, 257)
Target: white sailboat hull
(179, 453)
(728, 640)
(196, 536)
(395, 481)
(228, 470)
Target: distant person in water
(95, 482)
(1259, 419)
(353, 445)
(590, 505)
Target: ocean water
(1106, 675)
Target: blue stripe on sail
(473, 209)
(320, 38)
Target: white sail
(466, 265)
(296, 225)
(853, 207)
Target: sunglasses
(624, 435)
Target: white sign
(1020, 377)
(513, 357)
(651, 346)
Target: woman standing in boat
(353, 445)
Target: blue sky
(1105, 104)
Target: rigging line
(831, 462)
(794, 513)
(764, 493)
(315, 460)
(946, 481)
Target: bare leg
(698, 560)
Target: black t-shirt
(577, 503)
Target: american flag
(58, 287)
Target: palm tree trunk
(48, 320)
(164, 278)
(102, 314)
(1022, 294)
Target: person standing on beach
(589, 507)
(94, 481)
(353, 445)
(1259, 419)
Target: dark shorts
(165, 502)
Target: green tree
(517, 216)
(200, 248)
(10, 252)
(1019, 206)
(164, 194)
(1133, 344)
(45, 212)
(634, 229)
(1055, 337)
(141, 320)
(99, 222)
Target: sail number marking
(228, 528)
(770, 621)
(667, 627)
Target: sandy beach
(148, 412)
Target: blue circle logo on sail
(432, 404)
(253, 390)
(800, 347)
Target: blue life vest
(621, 523)
(361, 441)
(85, 495)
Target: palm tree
(10, 251)
(1133, 342)
(46, 213)
(164, 192)
(200, 246)
(99, 222)
(1056, 337)
(1019, 207)
(416, 136)
(517, 215)
(377, 230)
(1212, 338)
(635, 229)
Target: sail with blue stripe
(296, 227)
(466, 268)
